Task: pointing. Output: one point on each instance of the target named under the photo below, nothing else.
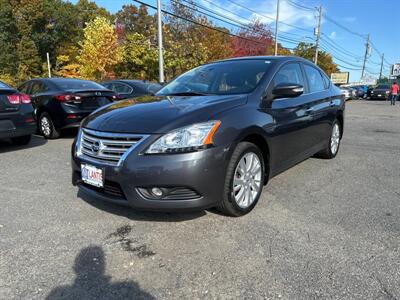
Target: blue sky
(379, 18)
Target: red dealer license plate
(92, 175)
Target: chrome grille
(105, 147)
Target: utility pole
(48, 64)
(318, 34)
(365, 57)
(160, 43)
(380, 73)
(276, 27)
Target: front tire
(332, 148)
(244, 180)
(21, 140)
(47, 128)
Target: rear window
(153, 88)
(70, 84)
(4, 86)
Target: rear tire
(47, 128)
(332, 148)
(244, 180)
(21, 140)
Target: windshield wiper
(187, 94)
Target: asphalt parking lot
(323, 229)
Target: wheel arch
(260, 141)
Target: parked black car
(132, 88)
(210, 138)
(63, 102)
(16, 115)
(381, 92)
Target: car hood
(380, 90)
(152, 114)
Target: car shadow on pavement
(7, 146)
(91, 282)
(139, 215)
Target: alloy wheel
(247, 180)
(45, 126)
(335, 138)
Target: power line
(199, 24)
(265, 16)
(300, 6)
(344, 27)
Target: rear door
(291, 136)
(322, 104)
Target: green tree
(325, 61)
(140, 59)
(100, 50)
(8, 39)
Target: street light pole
(48, 64)
(276, 28)
(318, 35)
(160, 43)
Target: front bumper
(382, 96)
(202, 172)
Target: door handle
(309, 110)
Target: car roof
(280, 58)
(138, 81)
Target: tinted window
(121, 88)
(153, 88)
(25, 88)
(290, 73)
(223, 78)
(75, 84)
(327, 81)
(37, 87)
(315, 81)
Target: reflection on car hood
(152, 114)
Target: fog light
(157, 192)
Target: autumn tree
(325, 61)
(100, 50)
(252, 40)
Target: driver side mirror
(287, 90)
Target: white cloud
(332, 35)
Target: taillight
(19, 98)
(67, 98)
(25, 99)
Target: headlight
(185, 139)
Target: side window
(121, 88)
(37, 87)
(25, 88)
(315, 81)
(327, 81)
(290, 73)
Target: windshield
(71, 84)
(382, 87)
(223, 78)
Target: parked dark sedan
(381, 92)
(210, 138)
(16, 116)
(132, 88)
(62, 102)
